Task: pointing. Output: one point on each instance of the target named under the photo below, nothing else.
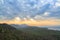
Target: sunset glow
(49, 22)
(30, 12)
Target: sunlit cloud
(30, 12)
(32, 22)
(46, 14)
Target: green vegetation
(7, 32)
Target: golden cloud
(32, 22)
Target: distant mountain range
(27, 26)
(20, 26)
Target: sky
(30, 12)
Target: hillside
(8, 32)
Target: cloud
(17, 19)
(33, 22)
(46, 14)
(29, 9)
(57, 4)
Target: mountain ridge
(8, 32)
(27, 26)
